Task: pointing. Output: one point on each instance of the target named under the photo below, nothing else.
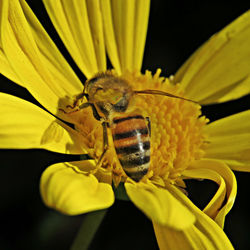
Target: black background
(176, 29)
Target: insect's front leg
(94, 110)
(83, 106)
(76, 104)
(77, 100)
(105, 141)
(105, 147)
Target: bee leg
(105, 147)
(83, 106)
(95, 113)
(78, 97)
(149, 125)
(72, 107)
(75, 104)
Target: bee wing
(159, 92)
(219, 70)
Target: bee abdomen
(133, 148)
(132, 144)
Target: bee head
(108, 91)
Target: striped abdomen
(132, 144)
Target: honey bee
(110, 98)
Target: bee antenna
(158, 92)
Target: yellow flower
(183, 144)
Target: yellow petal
(5, 67)
(125, 27)
(219, 70)
(215, 204)
(24, 125)
(223, 200)
(140, 31)
(34, 58)
(229, 141)
(79, 25)
(7, 70)
(189, 239)
(110, 36)
(160, 206)
(96, 25)
(205, 234)
(72, 193)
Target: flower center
(176, 130)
